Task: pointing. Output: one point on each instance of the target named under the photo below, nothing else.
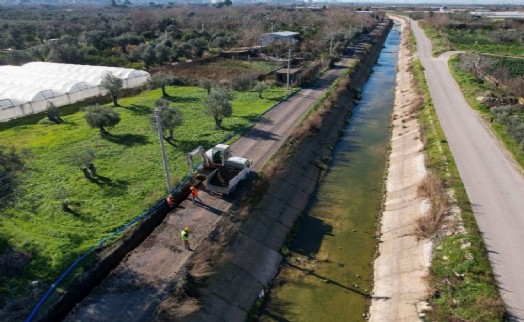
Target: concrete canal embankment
(254, 256)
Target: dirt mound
(223, 176)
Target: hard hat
(186, 229)
(191, 188)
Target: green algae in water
(328, 274)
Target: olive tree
(85, 160)
(206, 84)
(260, 87)
(53, 114)
(218, 105)
(160, 80)
(170, 117)
(100, 117)
(113, 85)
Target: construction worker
(194, 195)
(185, 237)
(170, 201)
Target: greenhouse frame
(28, 89)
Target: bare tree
(479, 65)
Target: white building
(29, 88)
(287, 37)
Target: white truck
(223, 171)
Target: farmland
(130, 175)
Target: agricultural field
(130, 176)
(226, 70)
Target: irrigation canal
(328, 273)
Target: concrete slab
(242, 297)
(257, 259)
(266, 231)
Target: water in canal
(329, 271)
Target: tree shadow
(85, 217)
(139, 109)
(187, 146)
(209, 208)
(311, 233)
(330, 281)
(178, 99)
(258, 134)
(127, 139)
(257, 119)
(276, 309)
(110, 187)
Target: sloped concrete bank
(254, 254)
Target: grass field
(471, 41)
(129, 164)
(472, 89)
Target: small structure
(243, 53)
(281, 75)
(282, 37)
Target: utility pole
(331, 46)
(164, 156)
(288, 66)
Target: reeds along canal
(328, 272)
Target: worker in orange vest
(170, 201)
(194, 195)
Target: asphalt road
(494, 184)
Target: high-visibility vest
(184, 235)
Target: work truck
(222, 170)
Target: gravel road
(494, 183)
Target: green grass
(473, 297)
(472, 41)
(471, 90)
(439, 41)
(131, 177)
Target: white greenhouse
(29, 88)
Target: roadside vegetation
(461, 282)
(491, 71)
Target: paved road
(134, 289)
(493, 182)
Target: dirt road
(134, 289)
(494, 184)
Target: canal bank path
(134, 289)
(403, 262)
(493, 182)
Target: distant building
(286, 37)
(499, 14)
